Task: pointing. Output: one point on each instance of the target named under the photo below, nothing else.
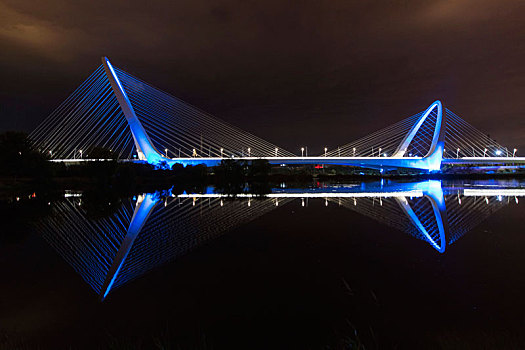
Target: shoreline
(140, 183)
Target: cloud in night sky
(316, 73)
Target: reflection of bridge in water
(152, 229)
(114, 110)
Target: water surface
(390, 264)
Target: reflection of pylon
(114, 250)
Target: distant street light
(249, 151)
(379, 151)
(498, 152)
(354, 151)
(325, 149)
(302, 151)
(276, 150)
(514, 153)
(484, 152)
(51, 153)
(222, 150)
(457, 153)
(80, 153)
(166, 150)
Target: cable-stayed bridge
(114, 110)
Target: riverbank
(131, 183)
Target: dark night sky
(298, 73)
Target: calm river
(376, 265)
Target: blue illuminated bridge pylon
(114, 110)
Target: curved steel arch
(437, 136)
(435, 195)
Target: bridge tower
(434, 155)
(145, 149)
